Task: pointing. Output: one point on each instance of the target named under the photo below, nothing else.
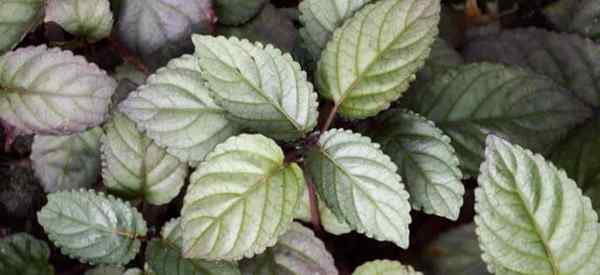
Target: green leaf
(331, 224)
(164, 256)
(93, 227)
(135, 271)
(531, 218)
(579, 16)
(568, 59)
(52, 92)
(474, 100)
(441, 59)
(106, 270)
(360, 185)
(272, 95)
(175, 109)
(237, 12)
(17, 18)
(129, 72)
(133, 166)
(239, 200)
(297, 252)
(384, 267)
(321, 18)
(372, 58)
(22, 254)
(426, 160)
(91, 19)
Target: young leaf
(240, 200)
(375, 54)
(426, 160)
(67, 162)
(22, 254)
(52, 92)
(384, 267)
(175, 109)
(272, 95)
(579, 16)
(133, 166)
(359, 184)
(297, 252)
(237, 12)
(93, 227)
(91, 19)
(17, 18)
(531, 218)
(474, 100)
(106, 270)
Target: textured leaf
(133, 166)
(321, 18)
(94, 228)
(581, 16)
(236, 12)
(130, 72)
(135, 271)
(17, 18)
(568, 59)
(239, 200)
(331, 224)
(474, 100)
(441, 59)
(426, 160)
(373, 57)
(67, 162)
(52, 92)
(456, 252)
(272, 95)
(175, 109)
(531, 218)
(359, 184)
(22, 254)
(106, 270)
(159, 30)
(91, 19)
(384, 267)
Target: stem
(128, 56)
(330, 118)
(315, 216)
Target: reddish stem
(315, 216)
(330, 118)
(128, 56)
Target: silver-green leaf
(384, 267)
(91, 19)
(236, 12)
(22, 254)
(17, 18)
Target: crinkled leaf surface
(373, 57)
(93, 227)
(236, 12)
(17, 18)
(426, 160)
(359, 183)
(474, 100)
(176, 110)
(67, 162)
(91, 19)
(531, 218)
(272, 95)
(22, 254)
(456, 252)
(581, 16)
(240, 200)
(106, 270)
(385, 267)
(52, 92)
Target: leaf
(426, 160)
(21, 195)
(237, 12)
(568, 59)
(372, 58)
(472, 101)
(159, 30)
(135, 271)
(106, 270)
(297, 252)
(164, 256)
(531, 218)
(359, 184)
(385, 267)
(441, 59)
(17, 18)
(175, 109)
(579, 16)
(129, 72)
(93, 227)
(331, 224)
(22, 254)
(67, 162)
(91, 19)
(133, 166)
(272, 95)
(239, 200)
(321, 18)
(52, 92)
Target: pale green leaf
(236, 12)
(456, 252)
(91, 19)
(17, 18)
(52, 92)
(106, 270)
(426, 160)
(531, 218)
(175, 109)
(93, 227)
(240, 200)
(384, 267)
(474, 100)
(272, 95)
(374, 56)
(133, 166)
(581, 16)
(359, 183)
(130, 72)
(135, 271)
(22, 254)
(67, 162)
(328, 220)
